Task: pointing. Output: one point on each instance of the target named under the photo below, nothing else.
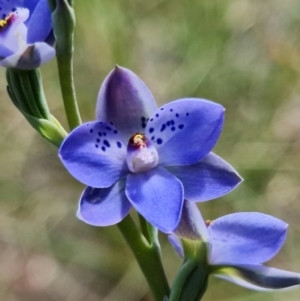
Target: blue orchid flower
(238, 245)
(26, 36)
(136, 154)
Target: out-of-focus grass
(243, 54)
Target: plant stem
(65, 70)
(148, 258)
(63, 18)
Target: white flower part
(13, 32)
(141, 154)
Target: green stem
(63, 18)
(148, 258)
(65, 70)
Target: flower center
(6, 21)
(141, 153)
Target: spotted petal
(246, 237)
(158, 196)
(258, 277)
(37, 30)
(208, 179)
(125, 101)
(186, 130)
(104, 206)
(95, 154)
(8, 7)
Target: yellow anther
(138, 140)
(6, 21)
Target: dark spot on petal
(168, 123)
(152, 138)
(111, 123)
(91, 131)
(96, 145)
(187, 114)
(173, 128)
(106, 143)
(119, 144)
(143, 119)
(104, 134)
(163, 127)
(143, 125)
(108, 128)
(162, 109)
(181, 126)
(151, 130)
(151, 119)
(159, 141)
(177, 115)
(171, 110)
(115, 132)
(103, 148)
(172, 122)
(100, 134)
(157, 115)
(98, 140)
(87, 124)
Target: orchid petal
(31, 4)
(192, 225)
(246, 237)
(208, 179)
(8, 7)
(4, 51)
(185, 131)
(104, 206)
(95, 154)
(39, 25)
(125, 101)
(258, 277)
(32, 57)
(158, 196)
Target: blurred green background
(244, 54)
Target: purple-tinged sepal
(257, 277)
(125, 100)
(192, 225)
